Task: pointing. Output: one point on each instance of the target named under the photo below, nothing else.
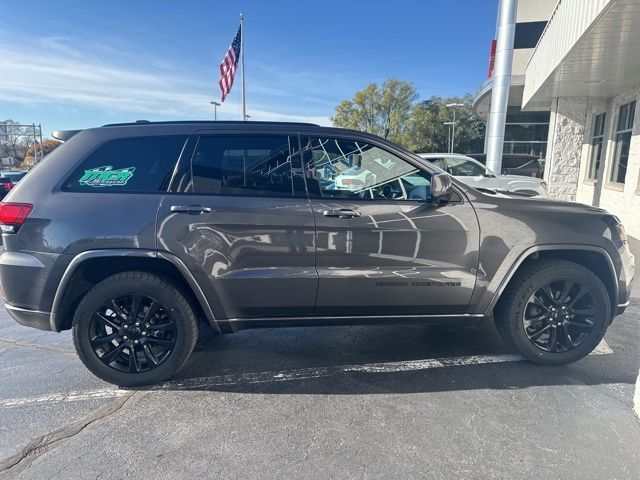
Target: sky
(77, 64)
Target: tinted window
(142, 164)
(348, 169)
(242, 165)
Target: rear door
(383, 246)
(239, 218)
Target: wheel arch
(594, 258)
(93, 266)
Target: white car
(359, 177)
(476, 175)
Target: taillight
(14, 213)
(7, 186)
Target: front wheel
(553, 312)
(134, 328)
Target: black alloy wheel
(135, 328)
(553, 312)
(133, 333)
(559, 316)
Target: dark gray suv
(132, 234)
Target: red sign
(492, 58)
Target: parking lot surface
(341, 402)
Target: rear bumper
(30, 318)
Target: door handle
(341, 213)
(191, 209)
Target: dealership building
(575, 81)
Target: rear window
(140, 164)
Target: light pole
(247, 117)
(453, 129)
(449, 124)
(215, 109)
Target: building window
(623, 142)
(527, 34)
(597, 145)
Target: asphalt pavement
(340, 402)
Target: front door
(239, 221)
(383, 246)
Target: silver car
(477, 175)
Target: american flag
(229, 64)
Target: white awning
(589, 48)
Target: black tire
(174, 310)
(513, 315)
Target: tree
(428, 132)
(48, 146)
(13, 136)
(384, 111)
(392, 113)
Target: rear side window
(140, 164)
(242, 165)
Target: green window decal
(106, 176)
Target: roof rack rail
(207, 122)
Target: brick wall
(564, 148)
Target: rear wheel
(553, 312)
(134, 328)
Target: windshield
(461, 167)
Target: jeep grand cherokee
(131, 234)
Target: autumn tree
(382, 110)
(48, 146)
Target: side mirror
(441, 187)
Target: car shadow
(376, 360)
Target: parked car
(133, 234)
(14, 175)
(476, 175)
(8, 180)
(516, 164)
(5, 185)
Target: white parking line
(63, 397)
(285, 376)
(320, 372)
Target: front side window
(459, 167)
(242, 165)
(624, 129)
(597, 146)
(140, 164)
(358, 170)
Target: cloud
(50, 71)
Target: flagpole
(244, 100)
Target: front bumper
(30, 318)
